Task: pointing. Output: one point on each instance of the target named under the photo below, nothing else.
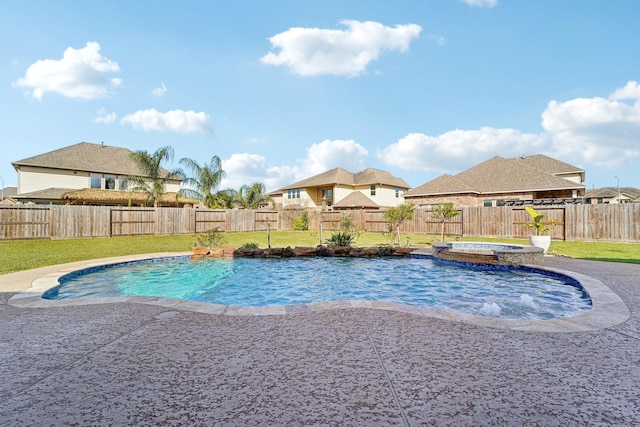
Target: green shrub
(211, 238)
(301, 223)
(347, 225)
(341, 238)
(250, 245)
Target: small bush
(212, 238)
(301, 223)
(347, 225)
(341, 238)
(250, 245)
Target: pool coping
(607, 310)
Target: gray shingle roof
(88, 157)
(445, 184)
(343, 177)
(47, 193)
(500, 175)
(548, 164)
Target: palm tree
(226, 199)
(153, 178)
(253, 195)
(205, 180)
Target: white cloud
(481, 3)
(172, 121)
(315, 51)
(159, 91)
(630, 91)
(457, 150)
(329, 154)
(81, 73)
(247, 168)
(595, 131)
(104, 117)
(599, 131)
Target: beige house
(83, 173)
(340, 189)
(612, 195)
(536, 179)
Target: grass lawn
(26, 254)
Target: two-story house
(84, 173)
(340, 189)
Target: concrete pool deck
(126, 363)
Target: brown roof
(356, 200)
(87, 157)
(341, 176)
(500, 175)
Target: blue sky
(282, 90)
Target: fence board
(25, 222)
(616, 223)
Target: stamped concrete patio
(142, 364)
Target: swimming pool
(512, 293)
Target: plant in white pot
(540, 239)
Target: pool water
(489, 291)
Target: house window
(487, 203)
(373, 190)
(397, 192)
(293, 194)
(109, 182)
(124, 183)
(326, 195)
(96, 180)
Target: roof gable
(356, 200)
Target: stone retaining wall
(304, 251)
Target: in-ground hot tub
(487, 253)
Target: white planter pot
(540, 242)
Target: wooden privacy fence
(616, 222)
